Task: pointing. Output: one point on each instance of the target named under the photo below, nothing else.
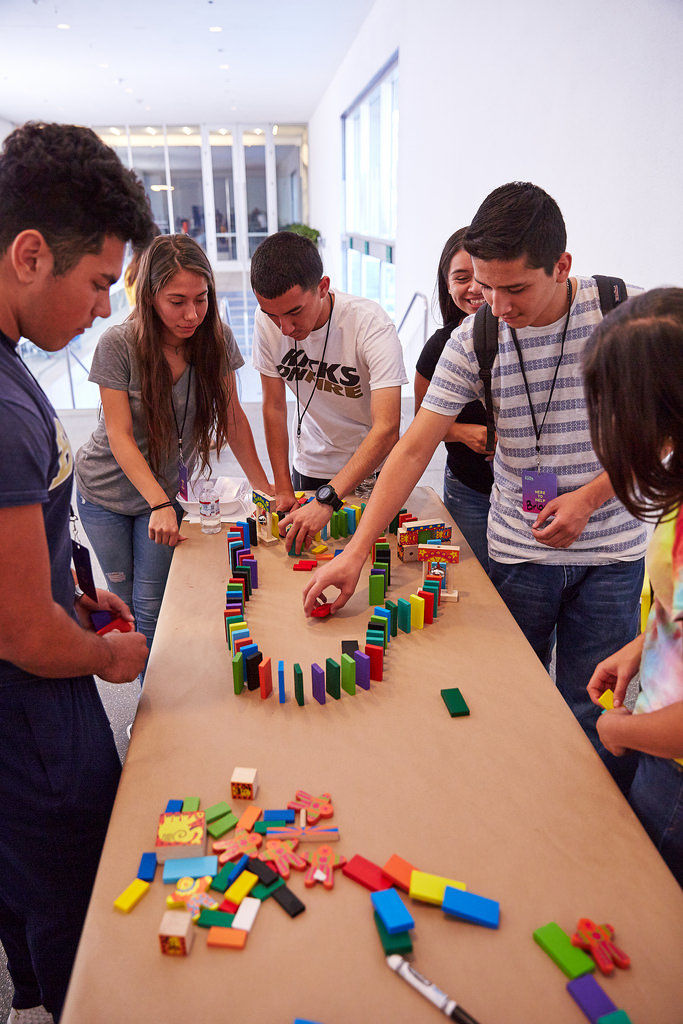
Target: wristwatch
(78, 593)
(327, 495)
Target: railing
(417, 295)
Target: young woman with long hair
(633, 369)
(167, 386)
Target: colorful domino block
(468, 906)
(557, 944)
(392, 910)
(430, 888)
(417, 612)
(455, 702)
(348, 674)
(131, 896)
(590, 997)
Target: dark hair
(449, 311)
(283, 261)
(61, 180)
(633, 373)
(518, 219)
(133, 269)
(205, 351)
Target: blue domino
(394, 914)
(281, 681)
(275, 815)
(238, 869)
(148, 866)
(248, 649)
(189, 867)
(173, 806)
(468, 906)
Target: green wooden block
(334, 526)
(348, 674)
(332, 678)
(404, 615)
(238, 672)
(216, 811)
(191, 804)
(382, 623)
(261, 826)
(228, 623)
(262, 892)
(615, 1017)
(392, 607)
(557, 944)
(208, 918)
(433, 588)
(299, 685)
(374, 636)
(400, 942)
(376, 589)
(220, 826)
(455, 702)
(220, 881)
(342, 523)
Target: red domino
(321, 611)
(265, 679)
(376, 656)
(429, 599)
(305, 565)
(365, 873)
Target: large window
(370, 147)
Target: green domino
(404, 615)
(299, 685)
(348, 674)
(433, 588)
(373, 636)
(262, 892)
(220, 881)
(261, 827)
(208, 918)
(455, 702)
(376, 589)
(238, 672)
(615, 1017)
(332, 678)
(557, 944)
(216, 811)
(342, 523)
(220, 826)
(334, 526)
(392, 607)
(400, 942)
(381, 622)
(190, 805)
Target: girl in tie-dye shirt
(634, 389)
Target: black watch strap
(327, 495)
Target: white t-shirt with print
(363, 354)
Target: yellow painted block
(299, 495)
(607, 700)
(241, 887)
(274, 525)
(234, 626)
(131, 896)
(173, 904)
(417, 612)
(431, 888)
(319, 549)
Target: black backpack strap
(486, 350)
(611, 290)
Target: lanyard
(187, 402)
(299, 418)
(539, 430)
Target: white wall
(5, 128)
(585, 100)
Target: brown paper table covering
(512, 801)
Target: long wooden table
(511, 800)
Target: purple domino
(318, 678)
(592, 1000)
(253, 568)
(362, 669)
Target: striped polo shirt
(611, 533)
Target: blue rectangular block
(394, 914)
(591, 999)
(238, 869)
(238, 634)
(283, 815)
(173, 806)
(362, 669)
(190, 867)
(384, 613)
(247, 650)
(148, 866)
(351, 520)
(468, 906)
(281, 681)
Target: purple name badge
(182, 480)
(537, 490)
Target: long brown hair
(450, 313)
(205, 351)
(633, 373)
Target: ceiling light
(115, 131)
(127, 90)
(63, 26)
(186, 131)
(150, 131)
(224, 67)
(216, 28)
(275, 129)
(258, 131)
(222, 131)
(162, 188)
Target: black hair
(61, 180)
(633, 376)
(449, 311)
(518, 219)
(283, 261)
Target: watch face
(324, 493)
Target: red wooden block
(435, 579)
(376, 656)
(398, 871)
(241, 580)
(229, 907)
(241, 642)
(265, 677)
(429, 599)
(365, 873)
(320, 611)
(120, 624)
(305, 565)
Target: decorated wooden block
(239, 843)
(322, 864)
(305, 833)
(316, 807)
(244, 784)
(283, 856)
(175, 933)
(181, 835)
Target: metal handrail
(417, 295)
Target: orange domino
(399, 871)
(226, 938)
(249, 817)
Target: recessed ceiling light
(162, 188)
(275, 129)
(258, 131)
(216, 28)
(186, 130)
(150, 131)
(115, 131)
(224, 67)
(63, 26)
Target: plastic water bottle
(209, 509)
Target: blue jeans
(657, 798)
(593, 611)
(470, 510)
(135, 567)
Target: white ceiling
(154, 61)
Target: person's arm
(277, 438)
(241, 441)
(617, 671)
(571, 512)
(400, 474)
(36, 634)
(385, 409)
(659, 733)
(163, 524)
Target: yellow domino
(241, 887)
(131, 896)
(318, 549)
(417, 612)
(275, 525)
(431, 888)
(607, 700)
(174, 904)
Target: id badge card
(182, 480)
(83, 567)
(537, 490)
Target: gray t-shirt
(99, 477)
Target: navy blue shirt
(36, 467)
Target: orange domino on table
(226, 938)
(398, 871)
(249, 817)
